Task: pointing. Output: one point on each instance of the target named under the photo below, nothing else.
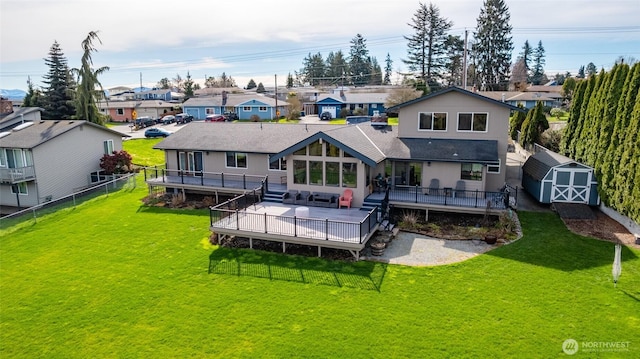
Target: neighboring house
(453, 137)
(122, 111)
(551, 177)
(19, 116)
(370, 103)
(526, 100)
(45, 160)
(160, 94)
(244, 106)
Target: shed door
(571, 185)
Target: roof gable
(458, 90)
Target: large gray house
(45, 160)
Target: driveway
(127, 129)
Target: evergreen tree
(251, 84)
(260, 88)
(534, 125)
(359, 65)
(314, 69)
(188, 87)
(594, 119)
(515, 123)
(526, 56)
(376, 72)
(574, 118)
(58, 94)
(289, 80)
(591, 69)
(583, 127)
(538, 65)
(581, 72)
(568, 87)
(628, 175)
(33, 98)
(87, 96)
(426, 48)
(454, 66)
(388, 68)
(336, 67)
(493, 45)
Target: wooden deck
(348, 229)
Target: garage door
(331, 110)
(571, 186)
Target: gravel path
(417, 250)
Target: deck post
(326, 229)
(244, 181)
(201, 177)
(426, 215)
(182, 176)
(284, 247)
(250, 243)
(476, 205)
(222, 179)
(237, 219)
(319, 251)
(145, 173)
(416, 193)
(295, 226)
(164, 175)
(265, 222)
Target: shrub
(116, 163)
(208, 201)
(344, 112)
(409, 219)
(177, 200)
(557, 112)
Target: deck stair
(274, 196)
(370, 203)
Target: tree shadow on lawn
(292, 268)
(548, 243)
(166, 210)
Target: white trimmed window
(262, 108)
(432, 121)
(209, 111)
(471, 171)
(494, 167)
(108, 147)
(472, 122)
(3, 158)
(20, 188)
(246, 108)
(236, 160)
(279, 165)
(120, 111)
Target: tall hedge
(602, 131)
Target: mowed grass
(112, 278)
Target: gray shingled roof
(369, 143)
(43, 131)
(539, 164)
(454, 89)
(232, 100)
(360, 97)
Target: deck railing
(234, 216)
(202, 178)
(13, 175)
(452, 197)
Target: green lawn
(112, 278)
(143, 153)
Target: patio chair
(434, 185)
(460, 188)
(346, 198)
(291, 197)
(304, 198)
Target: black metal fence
(33, 213)
(505, 198)
(232, 215)
(201, 178)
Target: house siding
(61, 168)
(453, 103)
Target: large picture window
(433, 121)
(299, 172)
(315, 149)
(315, 173)
(349, 174)
(332, 150)
(471, 171)
(332, 172)
(236, 160)
(473, 122)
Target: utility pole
(140, 81)
(276, 91)
(464, 61)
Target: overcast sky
(257, 39)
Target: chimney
(224, 98)
(6, 106)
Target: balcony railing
(233, 215)
(20, 174)
(204, 179)
(451, 197)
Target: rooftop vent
(2, 134)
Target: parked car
(230, 116)
(214, 118)
(352, 120)
(156, 132)
(379, 120)
(168, 119)
(183, 118)
(144, 121)
(325, 116)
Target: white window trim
(282, 159)
(432, 119)
(120, 111)
(262, 109)
(498, 166)
(209, 111)
(26, 189)
(3, 158)
(235, 156)
(472, 118)
(246, 108)
(107, 145)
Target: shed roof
(539, 164)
